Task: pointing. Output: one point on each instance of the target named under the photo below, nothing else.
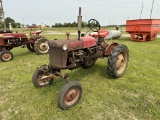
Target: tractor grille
(57, 57)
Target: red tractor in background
(80, 52)
(9, 40)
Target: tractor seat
(37, 32)
(100, 33)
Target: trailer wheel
(89, 64)
(41, 79)
(6, 55)
(30, 47)
(118, 61)
(69, 95)
(41, 47)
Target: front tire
(69, 95)
(89, 64)
(40, 46)
(41, 78)
(6, 55)
(118, 61)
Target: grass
(63, 29)
(134, 96)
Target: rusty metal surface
(57, 57)
(88, 41)
(67, 33)
(1, 42)
(72, 44)
(110, 48)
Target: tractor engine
(10, 41)
(69, 54)
(14, 42)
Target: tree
(1, 25)
(10, 20)
(17, 24)
(74, 24)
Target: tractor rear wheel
(118, 61)
(40, 46)
(30, 47)
(69, 95)
(40, 78)
(6, 55)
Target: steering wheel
(94, 25)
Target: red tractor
(9, 40)
(80, 52)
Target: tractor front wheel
(118, 61)
(6, 55)
(40, 46)
(30, 47)
(69, 95)
(41, 78)
(89, 64)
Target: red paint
(19, 35)
(88, 41)
(32, 26)
(137, 28)
(110, 48)
(74, 44)
(37, 32)
(7, 35)
(143, 29)
(100, 33)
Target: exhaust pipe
(79, 23)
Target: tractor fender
(37, 37)
(34, 38)
(110, 48)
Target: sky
(107, 12)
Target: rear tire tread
(36, 46)
(112, 60)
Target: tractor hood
(19, 35)
(74, 44)
(13, 35)
(6, 35)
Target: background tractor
(80, 52)
(9, 40)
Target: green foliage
(133, 96)
(10, 20)
(74, 24)
(1, 25)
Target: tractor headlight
(65, 47)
